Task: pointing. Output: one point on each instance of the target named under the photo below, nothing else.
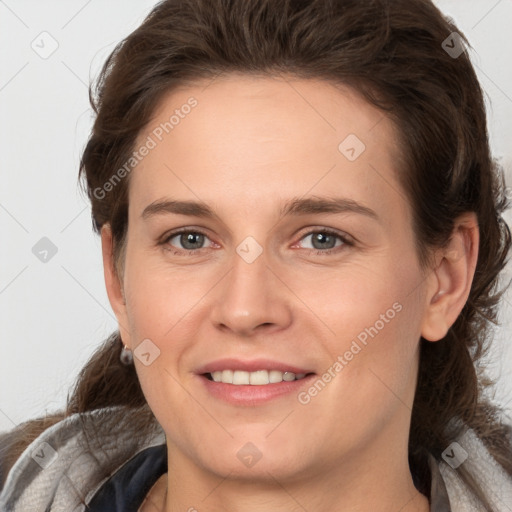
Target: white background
(54, 314)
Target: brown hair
(391, 51)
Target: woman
(253, 368)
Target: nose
(252, 298)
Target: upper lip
(250, 366)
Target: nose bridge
(250, 295)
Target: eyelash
(190, 252)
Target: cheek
(362, 295)
(159, 296)
(374, 315)
(371, 374)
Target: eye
(325, 241)
(189, 241)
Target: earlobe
(449, 284)
(113, 283)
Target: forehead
(257, 139)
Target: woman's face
(297, 253)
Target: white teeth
(240, 377)
(227, 375)
(275, 376)
(257, 378)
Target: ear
(449, 283)
(113, 284)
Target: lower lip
(253, 395)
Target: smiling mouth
(257, 378)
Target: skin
(251, 144)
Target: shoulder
(70, 460)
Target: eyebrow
(294, 207)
